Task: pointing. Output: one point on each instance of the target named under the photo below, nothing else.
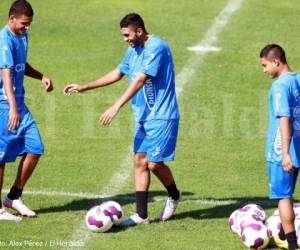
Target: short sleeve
(281, 100)
(124, 65)
(6, 53)
(153, 60)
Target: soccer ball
(255, 236)
(254, 208)
(114, 210)
(273, 224)
(247, 219)
(233, 221)
(98, 221)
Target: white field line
(213, 202)
(120, 178)
(208, 42)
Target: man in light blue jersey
(149, 66)
(19, 135)
(283, 139)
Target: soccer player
(283, 138)
(19, 135)
(149, 66)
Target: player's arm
(111, 112)
(14, 118)
(285, 130)
(31, 72)
(111, 77)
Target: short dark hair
(134, 20)
(273, 51)
(19, 8)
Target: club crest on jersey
(149, 93)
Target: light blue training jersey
(157, 98)
(13, 55)
(284, 101)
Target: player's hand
(108, 115)
(47, 84)
(287, 163)
(13, 119)
(73, 88)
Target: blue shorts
(156, 138)
(25, 139)
(282, 184)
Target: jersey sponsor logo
(149, 93)
(20, 67)
(277, 143)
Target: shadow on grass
(218, 208)
(86, 203)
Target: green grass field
(219, 162)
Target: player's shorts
(282, 184)
(156, 138)
(25, 139)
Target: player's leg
(287, 217)
(282, 186)
(142, 183)
(4, 215)
(13, 200)
(32, 148)
(164, 174)
(142, 179)
(27, 165)
(162, 143)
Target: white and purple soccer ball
(97, 220)
(273, 224)
(247, 219)
(253, 208)
(255, 236)
(114, 210)
(233, 221)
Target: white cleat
(169, 208)
(134, 220)
(19, 206)
(7, 216)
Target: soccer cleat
(169, 208)
(133, 221)
(7, 216)
(19, 206)
(280, 243)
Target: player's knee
(140, 162)
(153, 166)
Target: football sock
(281, 234)
(15, 193)
(292, 240)
(141, 203)
(173, 191)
